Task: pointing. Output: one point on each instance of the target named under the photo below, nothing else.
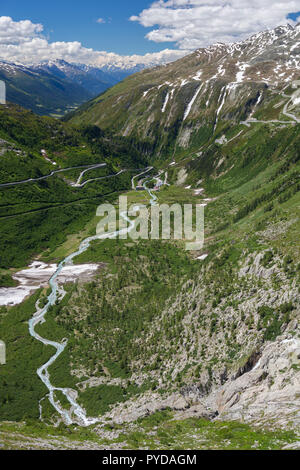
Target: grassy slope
(52, 206)
(125, 110)
(159, 431)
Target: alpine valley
(139, 344)
(57, 87)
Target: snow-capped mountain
(90, 78)
(93, 78)
(42, 92)
(225, 84)
(56, 87)
(254, 58)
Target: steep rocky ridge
(181, 105)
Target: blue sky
(67, 20)
(294, 16)
(131, 32)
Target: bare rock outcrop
(267, 394)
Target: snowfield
(38, 275)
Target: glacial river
(39, 317)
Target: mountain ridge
(162, 105)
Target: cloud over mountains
(195, 23)
(189, 24)
(23, 42)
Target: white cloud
(22, 42)
(188, 23)
(16, 32)
(197, 23)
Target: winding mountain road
(40, 178)
(290, 115)
(99, 165)
(294, 118)
(140, 174)
(98, 179)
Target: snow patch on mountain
(165, 103)
(189, 107)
